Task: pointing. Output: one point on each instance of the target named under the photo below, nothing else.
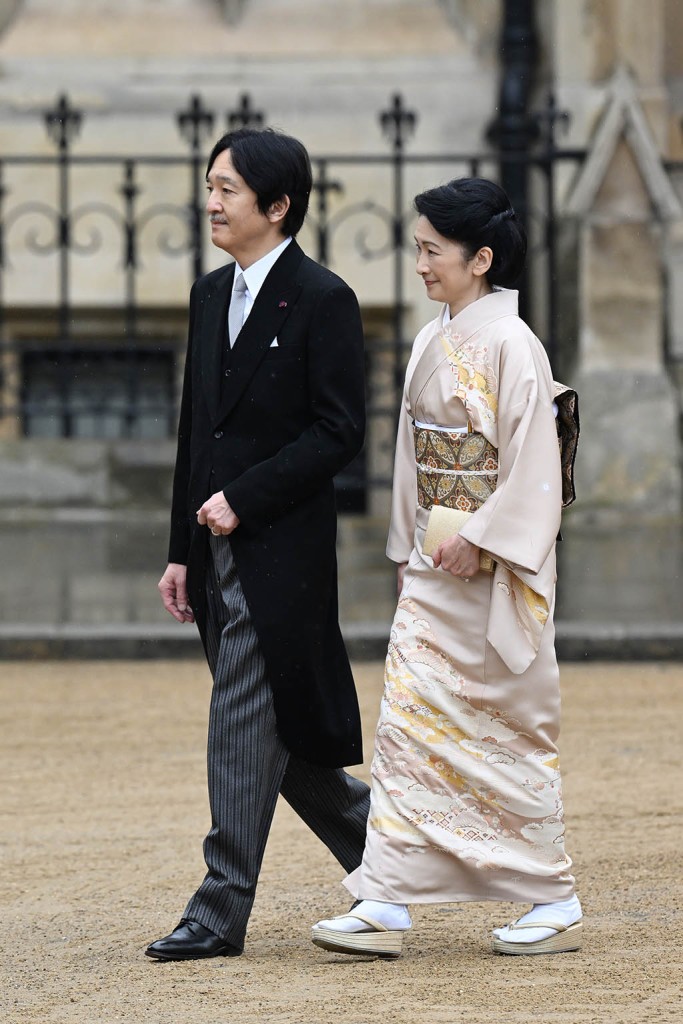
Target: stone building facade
(323, 71)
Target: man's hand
(458, 557)
(173, 590)
(217, 515)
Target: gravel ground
(104, 808)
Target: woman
(466, 797)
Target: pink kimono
(466, 790)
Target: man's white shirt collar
(255, 275)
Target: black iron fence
(95, 357)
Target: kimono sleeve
(519, 523)
(404, 490)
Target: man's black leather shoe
(190, 941)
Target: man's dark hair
(273, 165)
(475, 212)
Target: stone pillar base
(629, 461)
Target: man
(272, 409)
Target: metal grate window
(98, 393)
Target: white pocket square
(274, 343)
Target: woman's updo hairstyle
(475, 212)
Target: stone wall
(614, 72)
(319, 69)
(323, 70)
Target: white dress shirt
(255, 275)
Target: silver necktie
(236, 310)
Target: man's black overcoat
(270, 427)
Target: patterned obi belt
(455, 469)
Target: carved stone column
(623, 205)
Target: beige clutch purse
(443, 522)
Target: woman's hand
(458, 557)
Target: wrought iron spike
(63, 122)
(195, 123)
(398, 123)
(244, 115)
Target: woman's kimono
(466, 794)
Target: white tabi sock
(393, 916)
(565, 913)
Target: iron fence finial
(63, 122)
(244, 115)
(195, 123)
(398, 123)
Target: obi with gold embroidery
(454, 468)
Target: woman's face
(447, 273)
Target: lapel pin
(282, 304)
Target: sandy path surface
(104, 807)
